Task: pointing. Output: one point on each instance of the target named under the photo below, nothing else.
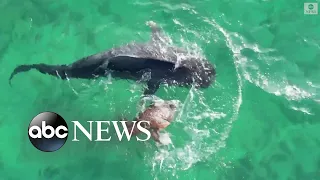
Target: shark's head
(205, 74)
(199, 73)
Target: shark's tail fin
(54, 70)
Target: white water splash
(204, 142)
(165, 139)
(302, 109)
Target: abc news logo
(48, 131)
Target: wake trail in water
(276, 83)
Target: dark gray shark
(153, 63)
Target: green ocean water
(258, 121)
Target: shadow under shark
(153, 63)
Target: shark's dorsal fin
(156, 33)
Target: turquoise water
(259, 120)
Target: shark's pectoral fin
(152, 88)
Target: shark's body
(151, 62)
